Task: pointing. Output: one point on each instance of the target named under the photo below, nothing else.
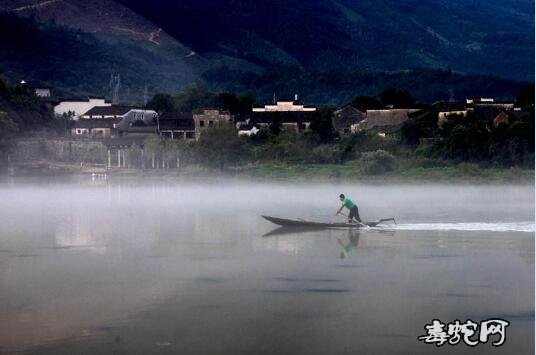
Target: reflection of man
(348, 248)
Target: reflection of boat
(321, 225)
(289, 230)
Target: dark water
(124, 269)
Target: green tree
(228, 102)
(364, 103)
(162, 103)
(194, 97)
(220, 146)
(422, 126)
(512, 144)
(322, 124)
(467, 143)
(398, 98)
(525, 97)
(275, 126)
(378, 162)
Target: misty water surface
(193, 268)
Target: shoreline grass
(349, 172)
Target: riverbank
(351, 172)
(345, 172)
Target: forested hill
(476, 37)
(76, 63)
(326, 51)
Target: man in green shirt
(352, 207)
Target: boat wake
(491, 227)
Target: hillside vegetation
(489, 37)
(77, 63)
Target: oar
(358, 223)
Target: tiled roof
(83, 99)
(114, 110)
(179, 121)
(347, 116)
(387, 117)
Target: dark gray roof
(176, 116)
(83, 99)
(114, 110)
(346, 116)
(178, 121)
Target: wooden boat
(298, 223)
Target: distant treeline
(338, 87)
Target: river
(192, 268)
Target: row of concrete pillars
(119, 159)
(120, 162)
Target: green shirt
(348, 249)
(348, 203)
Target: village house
(383, 118)
(283, 106)
(112, 121)
(508, 117)
(488, 108)
(206, 118)
(345, 117)
(291, 115)
(472, 103)
(95, 128)
(177, 126)
(189, 126)
(41, 90)
(73, 108)
(444, 110)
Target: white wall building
(284, 106)
(78, 107)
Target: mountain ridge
(365, 35)
(315, 48)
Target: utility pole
(115, 86)
(145, 96)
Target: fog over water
(160, 267)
